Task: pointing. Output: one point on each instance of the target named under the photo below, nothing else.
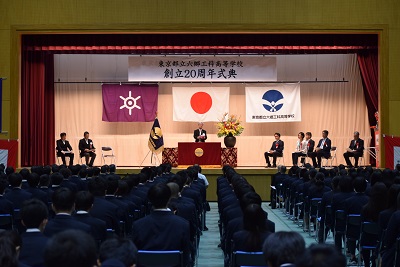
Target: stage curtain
(37, 109)
(368, 63)
(337, 107)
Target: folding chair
(331, 158)
(242, 258)
(279, 158)
(370, 229)
(340, 226)
(313, 214)
(6, 221)
(327, 220)
(353, 223)
(160, 258)
(57, 157)
(107, 152)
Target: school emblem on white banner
(273, 103)
(199, 103)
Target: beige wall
(379, 16)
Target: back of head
(44, 180)
(75, 169)
(83, 200)
(3, 185)
(282, 169)
(393, 192)
(159, 195)
(321, 255)
(250, 198)
(121, 249)
(15, 179)
(33, 213)
(360, 184)
(56, 178)
(319, 179)
(8, 250)
(174, 187)
(97, 186)
(254, 218)
(104, 169)
(345, 184)
(112, 168)
(63, 200)
(33, 180)
(9, 170)
(283, 247)
(25, 173)
(71, 248)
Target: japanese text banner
(202, 68)
(273, 103)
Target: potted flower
(229, 126)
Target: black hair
(254, 221)
(278, 134)
(121, 249)
(97, 186)
(62, 134)
(70, 248)
(83, 200)
(393, 192)
(377, 202)
(302, 134)
(33, 212)
(63, 199)
(309, 133)
(56, 178)
(8, 248)
(104, 169)
(112, 168)
(321, 255)
(360, 184)
(15, 179)
(159, 195)
(283, 247)
(326, 132)
(44, 180)
(33, 180)
(112, 185)
(345, 184)
(85, 133)
(3, 185)
(24, 173)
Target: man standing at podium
(200, 135)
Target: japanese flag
(200, 103)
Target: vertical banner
(392, 151)
(129, 103)
(156, 140)
(273, 103)
(199, 104)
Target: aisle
(209, 253)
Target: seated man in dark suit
(275, 151)
(64, 149)
(63, 206)
(87, 149)
(200, 135)
(323, 149)
(34, 214)
(162, 230)
(83, 204)
(71, 248)
(310, 146)
(356, 150)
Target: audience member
(116, 251)
(321, 255)
(71, 248)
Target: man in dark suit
(83, 203)
(34, 214)
(310, 146)
(275, 151)
(64, 149)
(323, 149)
(162, 230)
(356, 150)
(63, 205)
(87, 149)
(200, 135)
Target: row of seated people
(243, 224)
(370, 196)
(305, 147)
(105, 205)
(76, 248)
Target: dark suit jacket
(162, 230)
(99, 227)
(196, 133)
(39, 194)
(326, 150)
(357, 145)
(63, 222)
(106, 211)
(32, 251)
(62, 147)
(17, 197)
(83, 145)
(240, 241)
(310, 146)
(6, 206)
(278, 146)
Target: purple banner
(129, 103)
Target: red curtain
(37, 109)
(368, 62)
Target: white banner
(202, 68)
(4, 157)
(200, 104)
(273, 103)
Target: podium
(207, 153)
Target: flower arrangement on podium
(229, 126)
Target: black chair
(160, 258)
(327, 221)
(242, 258)
(300, 208)
(352, 230)
(369, 230)
(6, 221)
(313, 214)
(340, 226)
